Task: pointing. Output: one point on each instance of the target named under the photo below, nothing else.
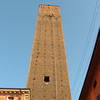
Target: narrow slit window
(46, 79)
(95, 83)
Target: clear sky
(81, 21)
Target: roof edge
(17, 88)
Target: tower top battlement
(48, 5)
(49, 9)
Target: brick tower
(48, 74)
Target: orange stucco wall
(4, 97)
(14, 93)
(94, 92)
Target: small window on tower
(95, 83)
(52, 14)
(46, 79)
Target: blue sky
(81, 21)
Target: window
(46, 79)
(98, 97)
(10, 98)
(95, 83)
(52, 14)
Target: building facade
(48, 74)
(14, 94)
(91, 87)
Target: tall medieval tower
(48, 74)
